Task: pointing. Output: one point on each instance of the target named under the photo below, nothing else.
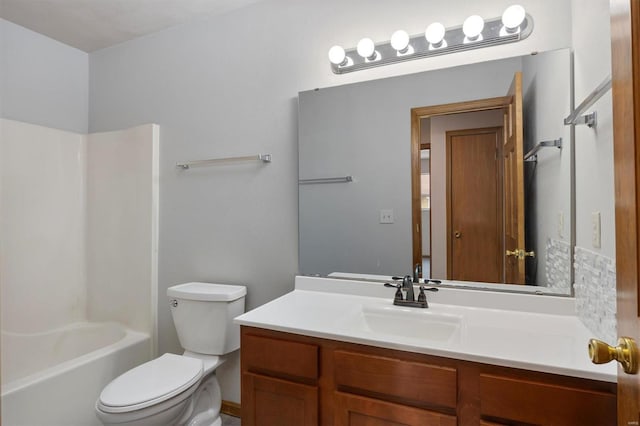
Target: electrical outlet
(386, 216)
(595, 230)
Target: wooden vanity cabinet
(290, 379)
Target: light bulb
(366, 48)
(435, 33)
(400, 40)
(337, 55)
(512, 17)
(473, 26)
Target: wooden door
(474, 205)
(273, 402)
(353, 410)
(625, 54)
(514, 184)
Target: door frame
(426, 146)
(499, 131)
(625, 87)
(417, 114)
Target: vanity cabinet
(279, 381)
(290, 379)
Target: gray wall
(42, 81)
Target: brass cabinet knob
(457, 234)
(626, 353)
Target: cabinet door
(353, 410)
(267, 401)
(523, 400)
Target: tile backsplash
(595, 293)
(558, 266)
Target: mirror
(363, 224)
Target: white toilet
(181, 389)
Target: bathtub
(54, 377)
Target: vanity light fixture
(472, 28)
(400, 42)
(512, 18)
(367, 50)
(435, 36)
(337, 56)
(514, 25)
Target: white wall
(42, 81)
(440, 125)
(42, 222)
(239, 224)
(122, 226)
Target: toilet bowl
(181, 389)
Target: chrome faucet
(410, 299)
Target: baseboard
(231, 408)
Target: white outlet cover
(386, 216)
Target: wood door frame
(499, 131)
(625, 87)
(426, 146)
(417, 114)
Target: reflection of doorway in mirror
(436, 130)
(425, 204)
(474, 205)
(437, 118)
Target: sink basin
(414, 323)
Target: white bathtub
(53, 378)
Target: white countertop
(541, 335)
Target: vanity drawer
(535, 402)
(396, 380)
(351, 410)
(284, 358)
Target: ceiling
(94, 24)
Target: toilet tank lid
(207, 292)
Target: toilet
(181, 389)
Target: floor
(229, 420)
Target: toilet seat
(151, 383)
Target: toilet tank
(203, 315)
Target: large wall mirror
(357, 211)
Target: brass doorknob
(626, 353)
(513, 253)
(457, 234)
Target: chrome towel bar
(578, 116)
(326, 180)
(265, 158)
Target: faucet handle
(421, 296)
(398, 286)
